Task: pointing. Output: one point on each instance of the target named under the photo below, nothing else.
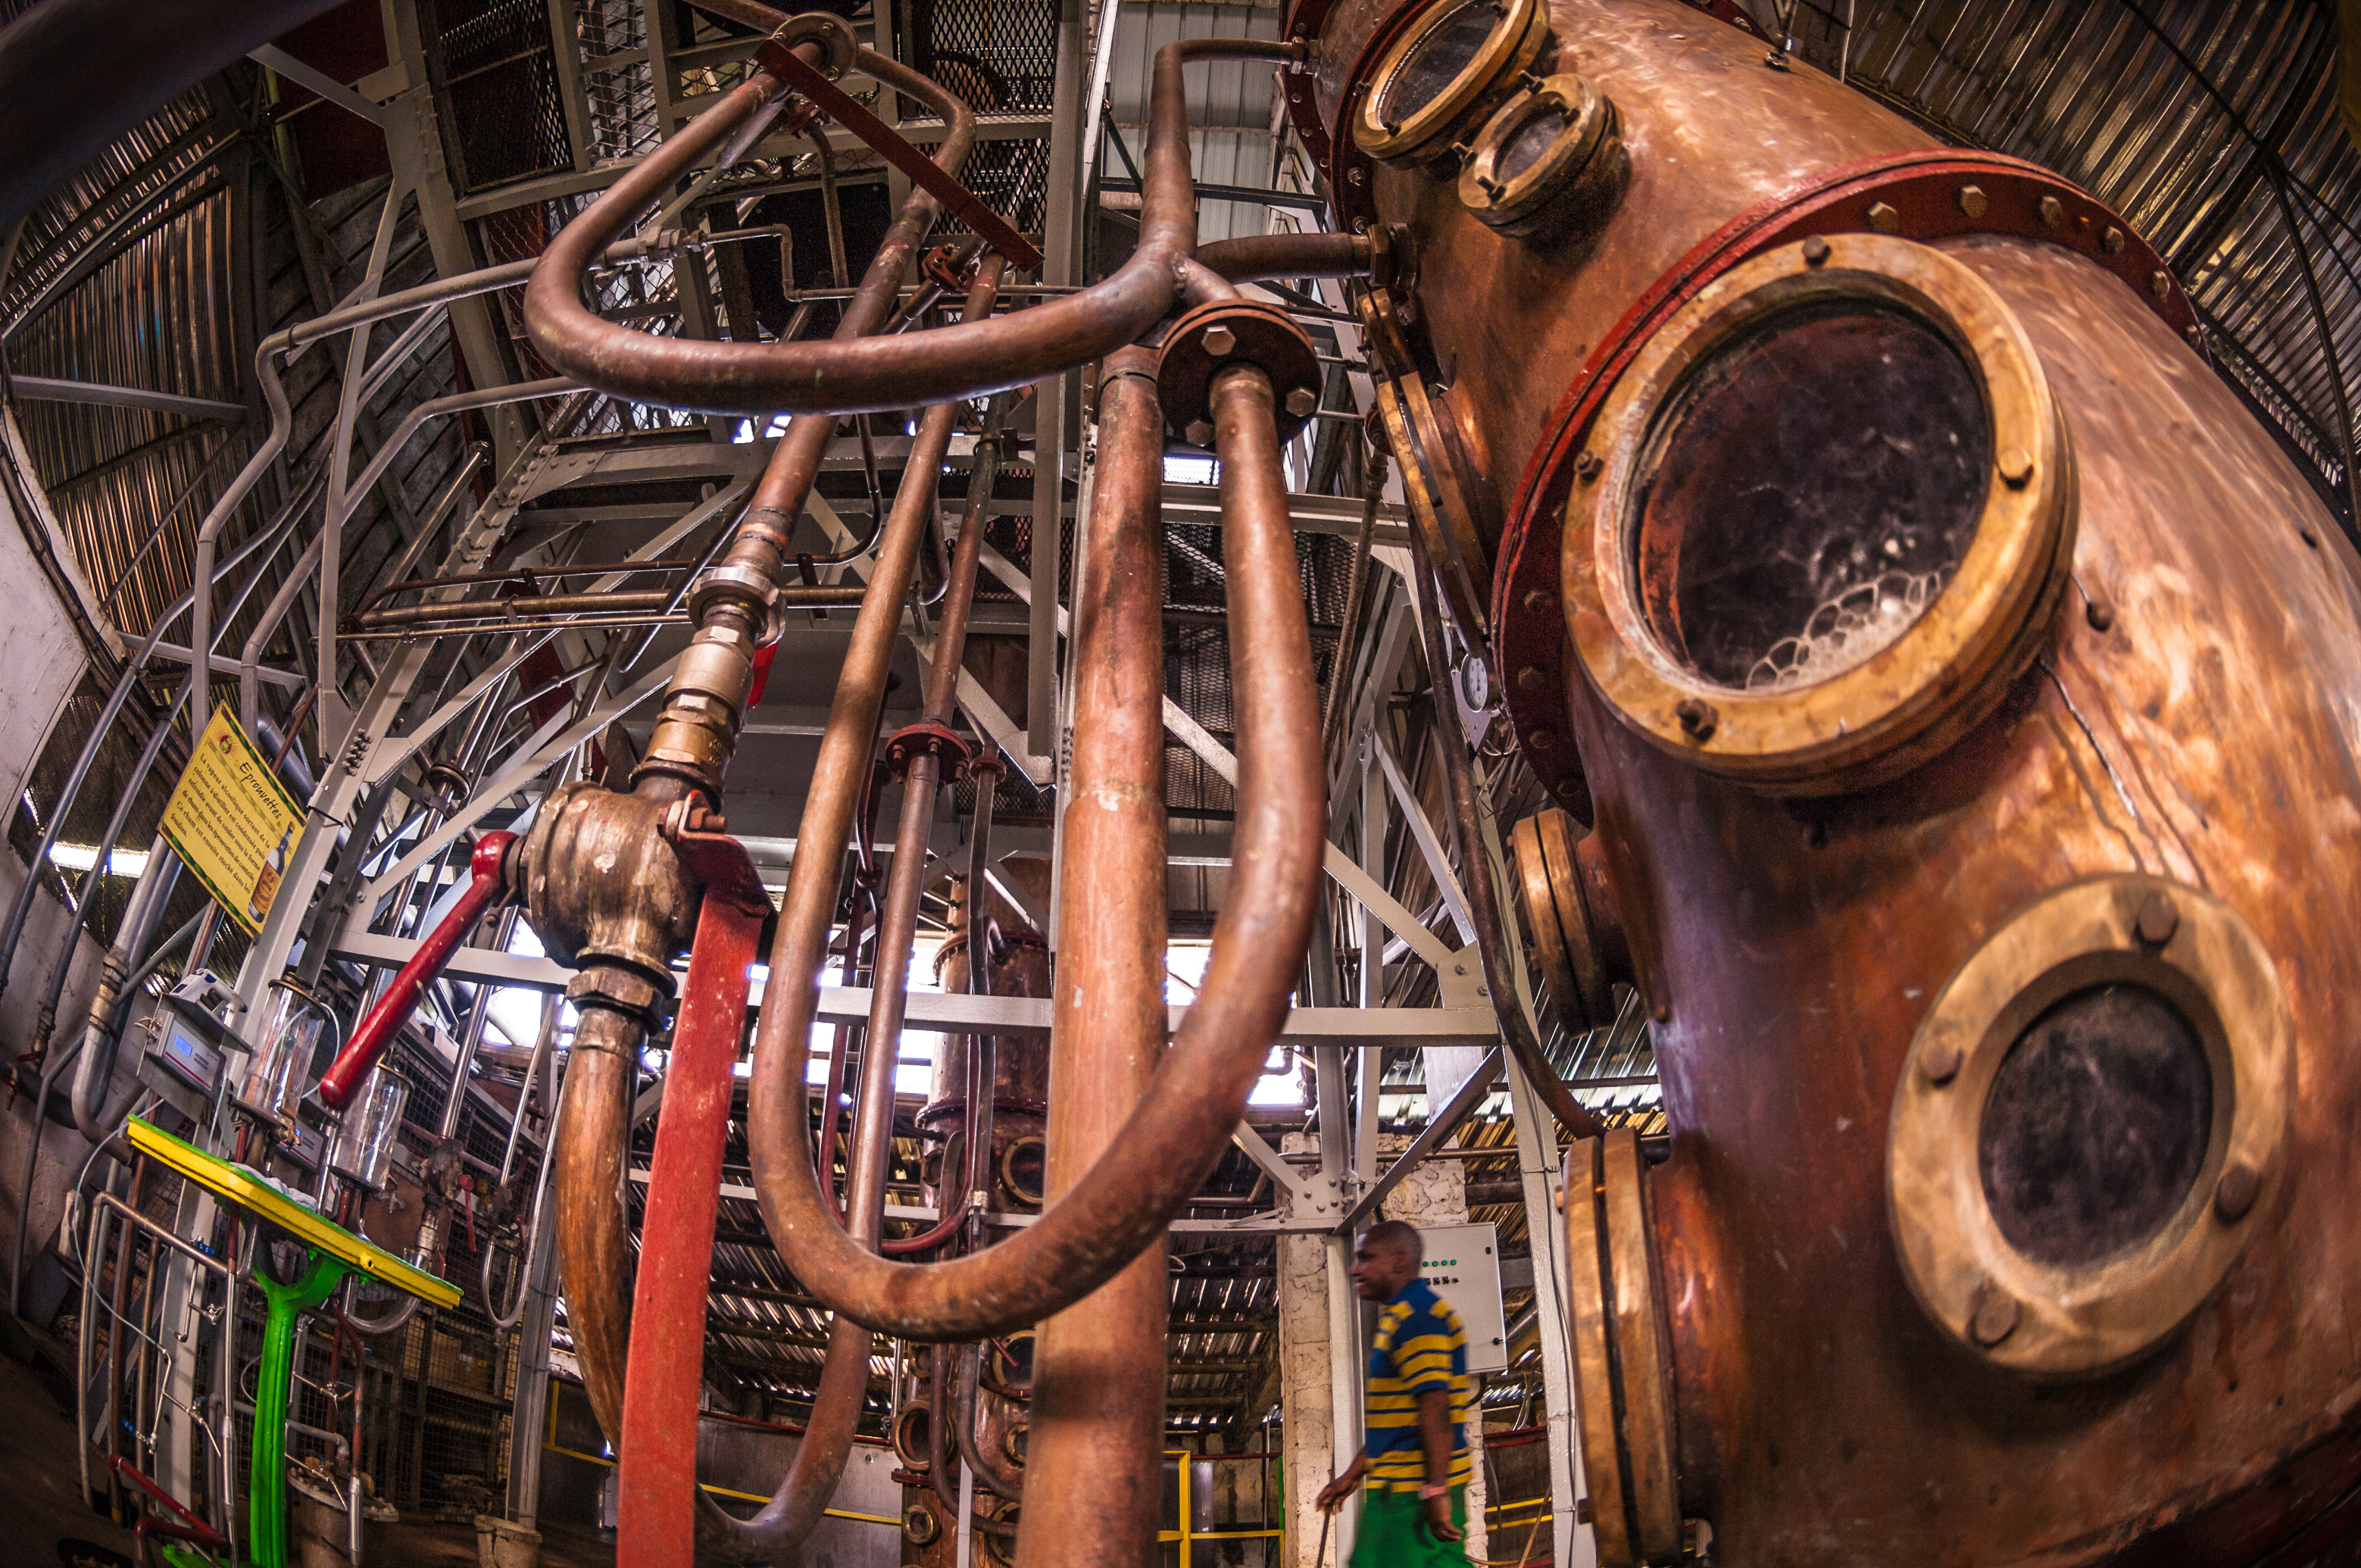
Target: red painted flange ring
(1929, 195)
(927, 739)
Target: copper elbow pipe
(1169, 1142)
(872, 374)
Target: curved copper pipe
(873, 374)
(1176, 1134)
(1004, 1479)
(593, 1250)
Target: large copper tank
(2004, 981)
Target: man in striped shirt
(1415, 1461)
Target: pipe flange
(730, 580)
(452, 783)
(927, 739)
(840, 45)
(919, 1526)
(1223, 333)
(944, 265)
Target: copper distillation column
(1919, 627)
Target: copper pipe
(1005, 1480)
(593, 1253)
(1097, 1414)
(960, 361)
(1476, 873)
(1311, 253)
(1172, 1139)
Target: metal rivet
(1458, 969)
(1940, 1060)
(1219, 342)
(2160, 283)
(1356, 177)
(2100, 614)
(2157, 919)
(1302, 402)
(1884, 218)
(1698, 719)
(2235, 1194)
(2015, 464)
(1530, 678)
(1816, 251)
(1586, 466)
(1569, 784)
(1541, 739)
(2053, 212)
(1537, 600)
(2111, 242)
(1996, 1316)
(1972, 200)
(1663, 1013)
(1200, 432)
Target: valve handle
(486, 887)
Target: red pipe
(486, 887)
(656, 1522)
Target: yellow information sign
(231, 823)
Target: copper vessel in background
(1958, 679)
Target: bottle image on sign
(265, 883)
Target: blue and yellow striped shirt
(1420, 1345)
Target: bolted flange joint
(927, 739)
(1223, 333)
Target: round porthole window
(2092, 1113)
(1829, 509)
(1436, 82)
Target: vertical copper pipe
(1097, 1416)
(593, 1253)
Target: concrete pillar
(1434, 1194)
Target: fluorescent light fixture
(82, 857)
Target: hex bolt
(1302, 402)
(1698, 719)
(2159, 283)
(1972, 200)
(1530, 678)
(1996, 1316)
(1541, 739)
(2015, 464)
(1537, 600)
(1587, 466)
(2053, 212)
(2157, 919)
(2235, 1194)
(1220, 342)
(2100, 614)
(2111, 242)
(1884, 218)
(1200, 432)
(1940, 1060)
(1816, 252)
(1357, 177)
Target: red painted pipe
(486, 887)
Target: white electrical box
(1463, 1267)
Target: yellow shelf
(227, 1182)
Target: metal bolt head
(1972, 200)
(2053, 212)
(1698, 719)
(1884, 218)
(1302, 402)
(2100, 614)
(1537, 600)
(1200, 432)
(1816, 252)
(2235, 1194)
(1541, 739)
(1940, 1060)
(2015, 464)
(1587, 466)
(1220, 342)
(1357, 177)
(2160, 283)
(1996, 1316)
(2157, 919)
(1458, 969)
(1530, 678)
(2111, 242)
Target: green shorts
(1393, 1532)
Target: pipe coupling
(736, 581)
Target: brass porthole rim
(1513, 200)
(1856, 728)
(1513, 44)
(2081, 1322)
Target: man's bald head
(1399, 1235)
(1386, 1259)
